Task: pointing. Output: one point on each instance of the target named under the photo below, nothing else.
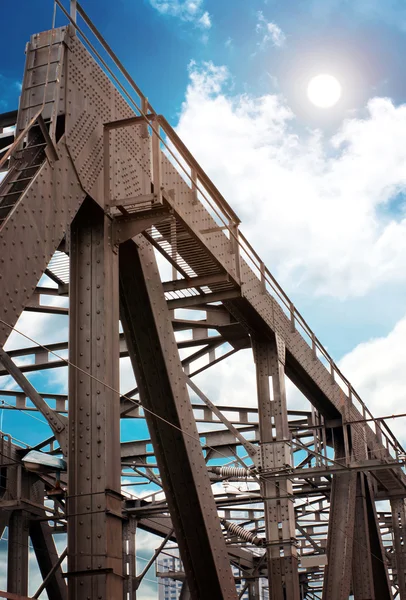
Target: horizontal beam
(8, 119)
(193, 282)
(202, 299)
(131, 121)
(43, 356)
(10, 596)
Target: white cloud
(186, 10)
(205, 20)
(376, 369)
(328, 213)
(270, 33)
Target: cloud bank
(328, 215)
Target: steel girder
(154, 355)
(17, 559)
(47, 557)
(370, 573)
(95, 566)
(399, 535)
(275, 453)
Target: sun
(324, 91)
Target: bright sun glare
(324, 91)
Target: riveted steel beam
(48, 560)
(17, 560)
(95, 567)
(276, 453)
(398, 507)
(56, 421)
(155, 359)
(340, 539)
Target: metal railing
(163, 135)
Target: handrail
(192, 162)
(221, 204)
(23, 133)
(19, 138)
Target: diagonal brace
(250, 448)
(56, 421)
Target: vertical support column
(156, 160)
(129, 559)
(155, 358)
(398, 507)
(253, 589)
(17, 565)
(185, 592)
(382, 586)
(340, 537)
(276, 453)
(73, 9)
(362, 575)
(94, 467)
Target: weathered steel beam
(193, 282)
(95, 568)
(56, 421)
(202, 299)
(49, 562)
(362, 574)
(17, 556)
(36, 226)
(8, 119)
(155, 359)
(340, 539)
(398, 507)
(279, 513)
(382, 587)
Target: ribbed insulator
(237, 472)
(242, 533)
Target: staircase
(26, 164)
(40, 97)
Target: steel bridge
(98, 191)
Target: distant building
(170, 587)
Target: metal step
(10, 194)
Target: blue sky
(321, 192)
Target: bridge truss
(108, 221)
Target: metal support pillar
(382, 587)
(276, 454)
(362, 575)
(398, 507)
(47, 558)
(253, 590)
(129, 559)
(184, 592)
(154, 355)
(340, 537)
(17, 562)
(95, 567)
